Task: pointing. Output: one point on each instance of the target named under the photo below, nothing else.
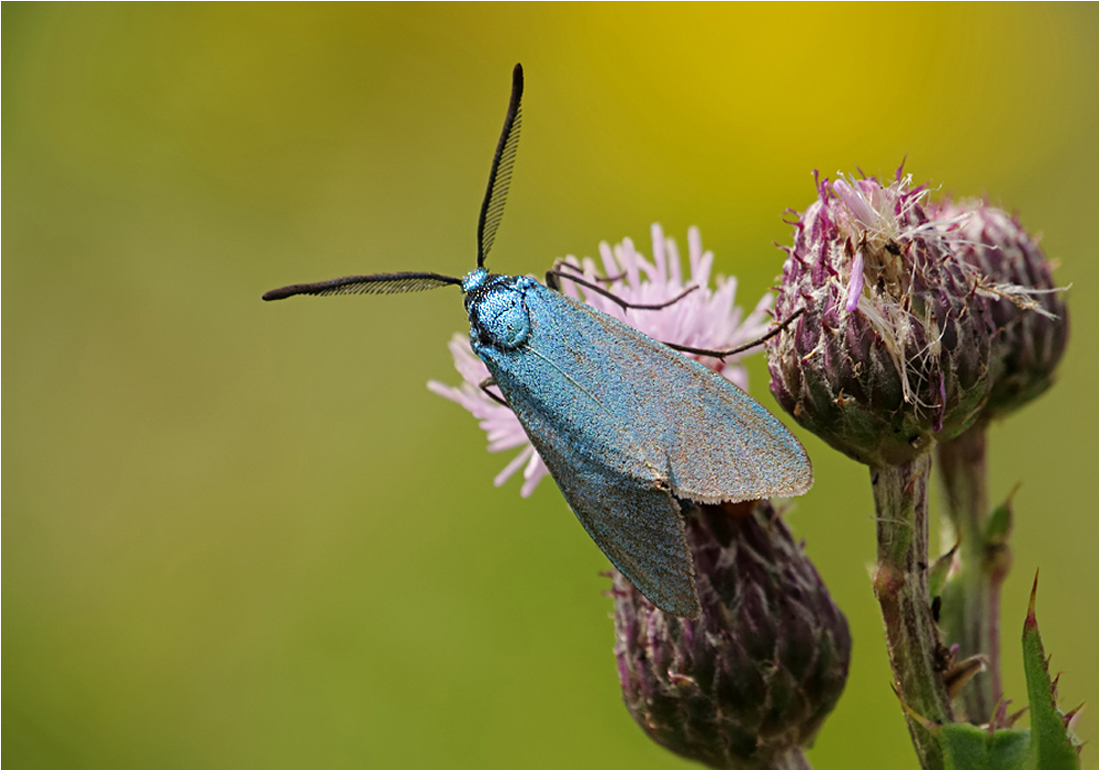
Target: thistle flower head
(706, 318)
(892, 348)
(1028, 310)
(751, 682)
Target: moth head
(499, 316)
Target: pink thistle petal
(513, 466)
(701, 262)
(658, 237)
(856, 202)
(533, 474)
(627, 258)
(855, 284)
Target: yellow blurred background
(240, 534)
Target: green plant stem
(901, 586)
(971, 610)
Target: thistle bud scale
(753, 680)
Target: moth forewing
(711, 440)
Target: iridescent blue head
(498, 313)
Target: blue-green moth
(628, 427)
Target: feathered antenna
(492, 208)
(377, 283)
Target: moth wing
(640, 530)
(636, 522)
(718, 442)
(730, 447)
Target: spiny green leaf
(1052, 744)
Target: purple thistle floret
(750, 683)
(892, 349)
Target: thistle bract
(1028, 311)
(892, 349)
(750, 683)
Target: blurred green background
(240, 534)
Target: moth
(628, 427)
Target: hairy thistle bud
(892, 349)
(1029, 314)
(750, 683)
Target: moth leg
(578, 269)
(554, 275)
(758, 341)
(484, 386)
